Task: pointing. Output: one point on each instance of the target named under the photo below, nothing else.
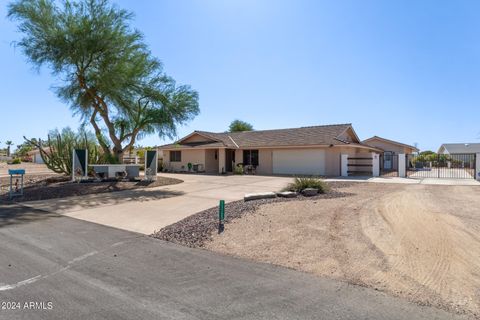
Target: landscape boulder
(287, 194)
(309, 192)
(261, 195)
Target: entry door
(229, 159)
(387, 160)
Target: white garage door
(299, 161)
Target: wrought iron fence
(447, 166)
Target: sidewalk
(428, 181)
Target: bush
(238, 169)
(301, 183)
(16, 161)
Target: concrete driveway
(63, 268)
(147, 210)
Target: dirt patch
(51, 186)
(415, 241)
(196, 229)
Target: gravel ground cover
(51, 186)
(196, 229)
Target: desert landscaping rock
(52, 186)
(261, 195)
(310, 192)
(287, 194)
(196, 229)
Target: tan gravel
(415, 241)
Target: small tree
(239, 125)
(57, 150)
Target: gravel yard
(196, 229)
(418, 242)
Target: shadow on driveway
(11, 214)
(75, 203)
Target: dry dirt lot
(415, 241)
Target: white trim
(344, 165)
(477, 166)
(236, 145)
(375, 164)
(402, 165)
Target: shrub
(16, 161)
(301, 183)
(238, 169)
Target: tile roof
(304, 136)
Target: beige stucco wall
(196, 156)
(211, 164)
(265, 167)
(348, 136)
(196, 138)
(265, 162)
(332, 159)
(238, 156)
(386, 146)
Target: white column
(477, 167)
(402, 165)
(344, 165)
(221, 161)
(375, 164)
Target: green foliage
(107, 73)
(301, 183)
(238, 169)
(239, 125)
(57, 150)
(24, 148)
(16, 161)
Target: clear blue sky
(403, 70)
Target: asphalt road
(55, 267)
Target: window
(250, 157)
(175, 156)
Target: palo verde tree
(239, 125)
(107, 73)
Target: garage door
(299, 161)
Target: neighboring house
(308, 150)
(391, 148)
(459, 148)
(35, 156)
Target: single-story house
(459, 148)
(391, 148)
(35, 156)
(312, 150)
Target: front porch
(210, 161)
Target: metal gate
(447, 166)
(389, 164)
(360, 166)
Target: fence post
(477, 167)
(402, 165)
(344, 165)
(375, 164)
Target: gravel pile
(195, 230)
